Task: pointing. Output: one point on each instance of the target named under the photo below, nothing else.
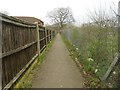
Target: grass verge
(91, 80)
(26, 80)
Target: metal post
(0, 51)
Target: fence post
(49, 36)
(38, 39)
(46, 36)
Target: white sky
(39, 8)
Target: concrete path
(58, 70)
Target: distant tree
(61, 16)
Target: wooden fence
(19, 47)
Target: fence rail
(19, 46)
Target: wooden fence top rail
(15, 21)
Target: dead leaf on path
(84, 73)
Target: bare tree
(103, 16)
(61, 16)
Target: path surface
(58, 69)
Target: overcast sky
(39, 8)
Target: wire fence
(97, 47)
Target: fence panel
(19, 47)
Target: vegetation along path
(58, 70)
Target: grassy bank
(91, 80)
(26, 80)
